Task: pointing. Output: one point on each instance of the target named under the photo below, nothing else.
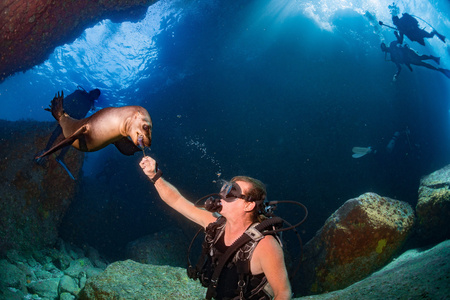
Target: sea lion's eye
(145, 127)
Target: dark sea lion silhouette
(126, 127)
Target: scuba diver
(362, 151)
(241, 255)
(409, 26)
(405, 55)
(77, 105)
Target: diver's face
(231, 206)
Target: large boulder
(433, 207)
(160, 248)
(131, 280)
(416, 274)
(30, 30)
(11, 276)
(33, 198)
(359, 238)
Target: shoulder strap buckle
(254, 234)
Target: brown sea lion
(126, 127)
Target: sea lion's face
(141, 129)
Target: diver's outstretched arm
(170, 195)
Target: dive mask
(229, 192)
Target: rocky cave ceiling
(31, 30)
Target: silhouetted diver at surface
(409, 26)
(405, 55)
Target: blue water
(279, 90)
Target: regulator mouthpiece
(213, 204)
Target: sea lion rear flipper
(65, 142)
(126, 147)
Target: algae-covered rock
(45, 288)
(33, 197)
(68, 285)
(433, 207)
(416, 274)
(359, 238)
(26, 275)
(131, 280)
(160, 248)
(78, 266)
(66, 296)
(11, 276)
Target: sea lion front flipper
(65, 142)
(56, 106)
(126, 146)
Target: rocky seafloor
(70, 272)
(416, 274)
(51, 273)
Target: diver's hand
(149, 166)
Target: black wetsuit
(229, 278)
(235, 270)
(409, 26)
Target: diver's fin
(445, 72)
(361, 151)
(65, 167)
(66, 142)
(440, 36)
(38, 159)
(436, 59)
(126, 146)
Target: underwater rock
(45, 288)
(95, 258)
(359, 238)
(416, 274)
(131, 280)
(34, 198)
(160, 248)
(11, 276)
(29, 279)
(30, 30)
(68, 285)
(66, 296)
(433, 207)
(79, 267)
(12, 294)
